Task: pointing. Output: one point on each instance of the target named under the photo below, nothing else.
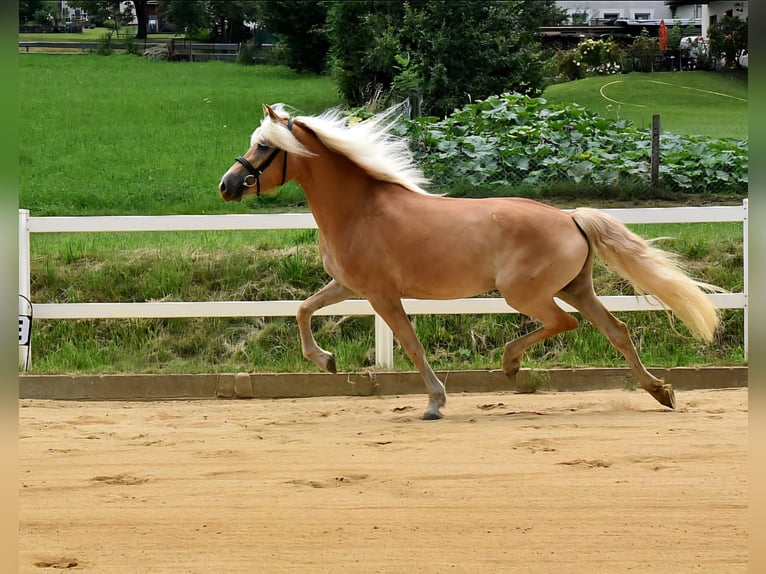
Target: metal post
(384, 344)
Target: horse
(383, 237)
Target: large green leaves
(515, 139)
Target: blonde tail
(650, 271)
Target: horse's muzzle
(230, 191)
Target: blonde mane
(368, 143)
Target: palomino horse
(382, 237)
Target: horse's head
(263, 167)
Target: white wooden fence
(383, 336)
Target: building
(608, 11)
(710, 12)
(69, 14)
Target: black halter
(255, 172)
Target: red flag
(663, 35)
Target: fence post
(655, 151)
(24, 276)
(384, 344)
(745, 265)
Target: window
(641, 15)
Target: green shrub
(589, 58)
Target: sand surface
(602, 481)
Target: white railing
(383, 337)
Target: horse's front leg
(331, 293)
(392, 312)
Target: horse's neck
(337, 190)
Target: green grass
(127, 135)
(267, 265)
(691, 103)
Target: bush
(589, 58)
(642, 52)
(443, 53)
(728, 39)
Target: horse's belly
(442, 280)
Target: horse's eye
(262, 147)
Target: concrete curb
(297, 385)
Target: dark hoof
(511, 369)
(331, 366)
(429, 416)
(665, 396)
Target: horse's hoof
(665, 396)
(432, 416)
(331, 366)
(511, 368)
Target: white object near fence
(384, 342)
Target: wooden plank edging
(301, 385)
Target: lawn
(120, 134)
(693, 103)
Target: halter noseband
(255, 172)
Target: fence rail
(83, 46)
(383, 335)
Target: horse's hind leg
(392, 312)
(331, 293)
(579, 293)
(554, 319)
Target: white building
(602, 11)
(710, 12)
(67, 13)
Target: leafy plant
(511, 139)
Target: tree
(300, 27)
(28, 9)
(142, 30)
(449, 52)
(188, 15)
(227, 19)
(224, 20)
(98, 11)
(364, 43)
(101, 10)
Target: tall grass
(266, 265)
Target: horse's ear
(269, 112)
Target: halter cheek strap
(255, 172)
